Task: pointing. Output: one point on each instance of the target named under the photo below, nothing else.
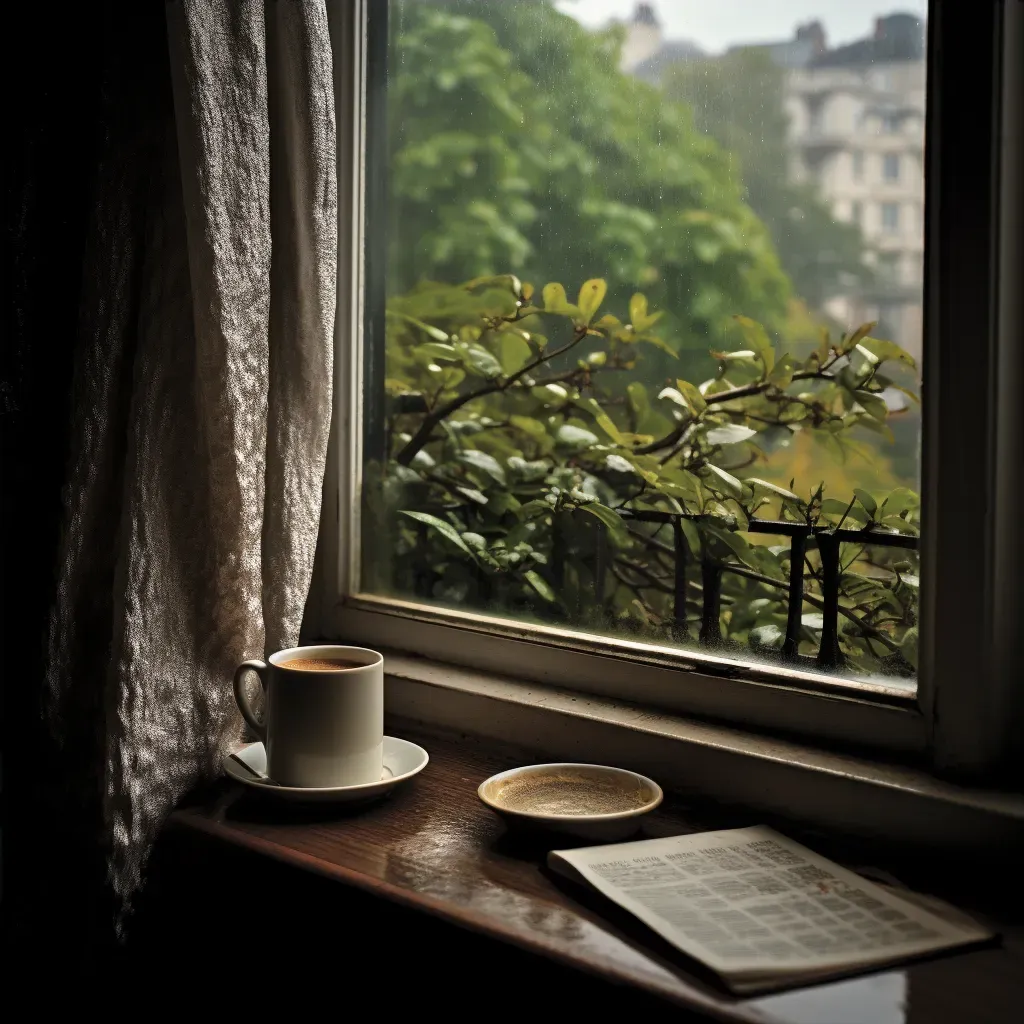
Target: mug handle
(242, 699)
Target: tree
(516, 144)
(738, 100)
(519, 481)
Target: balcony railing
(704, 573)
(828, 541)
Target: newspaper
(761, 910)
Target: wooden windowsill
(435, 848)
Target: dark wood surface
(435, 848)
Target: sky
(716, 24)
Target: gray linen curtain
(201, 408)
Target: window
(891, 122)
(891, 167)
(857, 211)
(857, 162)
(586, 422)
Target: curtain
(201, 404)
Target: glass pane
(644, 321)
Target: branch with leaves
(519, 456)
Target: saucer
(590, 801)
(402, 760)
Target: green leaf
(555, 300)
(837, 509)
(653, 339)
(601, 418)
(478, 497)
(437, 350)
(729, 433)
(866, 500)
(435, 332)
(908, 646)
(481, 362)
(900, 499)
(611, 519)
(501, 502)
(484, 462)
(851, 341)
(451, 377)
(887, 350)
(569, 436)
(694, 399)
(874, 405)
(781, 492)
(591, 296)
(722, 481)
(692, 535)
(529, 426)
(673, 395)
(756, 336)
(445, 529)
(514, 352)
(782, 374)
(540, 584)
(640, 319)
(535, 509)
(617, 464)
(637, 309)
(766, 636)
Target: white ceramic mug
(322, 729)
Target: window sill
(788, 780)
(434, 853)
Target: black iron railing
(703, 572)
(828, 541)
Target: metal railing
(704, 572)
(826, 538)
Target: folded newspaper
(763, 912)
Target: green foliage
(521, 444)
(516, 143)
(738, 100)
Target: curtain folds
(202, 403)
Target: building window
(890, 217)
(891, 167)
(856, 211)
(890, 123)
(858, 165)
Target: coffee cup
(323, 715)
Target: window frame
(975, 741)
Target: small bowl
(590, 801)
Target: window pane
(646, 358)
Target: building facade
(856, 123)
(856, 130)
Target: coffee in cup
(323, 717)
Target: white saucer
(402, 760)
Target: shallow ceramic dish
(402, 760)
(590, 801)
